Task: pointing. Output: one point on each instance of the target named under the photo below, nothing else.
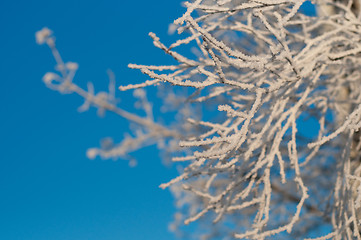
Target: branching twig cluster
(275, 152)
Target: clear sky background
(49, 190)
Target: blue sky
(48, 188)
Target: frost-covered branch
(268, 111)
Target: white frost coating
(49, 77)
(92, 153)
(42, 35)
(266, 115)
(72, 66)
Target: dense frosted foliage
(268, 103)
